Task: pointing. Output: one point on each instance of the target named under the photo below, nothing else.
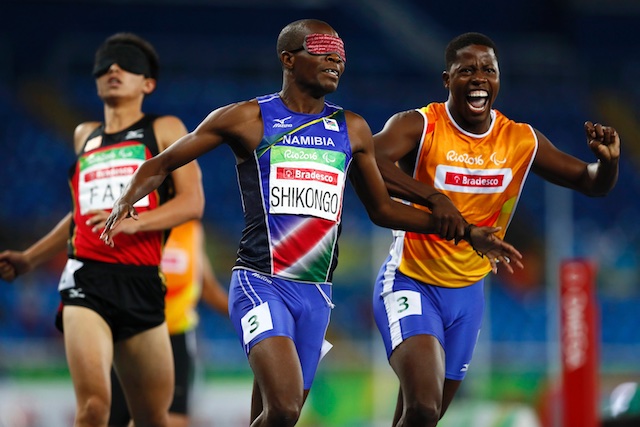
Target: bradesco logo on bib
(479, 181)
(105, 174)
(306, 181)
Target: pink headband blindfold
(324, 44)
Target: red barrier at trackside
(580, 343)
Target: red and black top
(102, 170)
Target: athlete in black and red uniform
(112, 299)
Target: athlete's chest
(461, 163)
(103, 173)
(305, 169)
(446, 145)
(303, 147)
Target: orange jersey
(483, 175)
(182, 267)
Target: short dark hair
(137, 41)
(464, 40)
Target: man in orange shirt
(467, 164)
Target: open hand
(121, 210)
(486, 243)
(98, 219)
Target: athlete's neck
(301, 102)
(119, 118)
(479, 127)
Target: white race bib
(402, 304)
(104, 175)
(255, 322)
(306, 181)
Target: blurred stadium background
(562, 62)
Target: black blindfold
(128, 57)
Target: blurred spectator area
(562, 62)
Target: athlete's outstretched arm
(230, 124)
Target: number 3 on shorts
(256, 321)
(403, 303)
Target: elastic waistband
(120, 268)
(272, 276)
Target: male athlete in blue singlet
(293, 151)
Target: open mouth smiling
(478, 100)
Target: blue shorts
(404, 307)
(262, 306)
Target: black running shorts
(129, 298)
